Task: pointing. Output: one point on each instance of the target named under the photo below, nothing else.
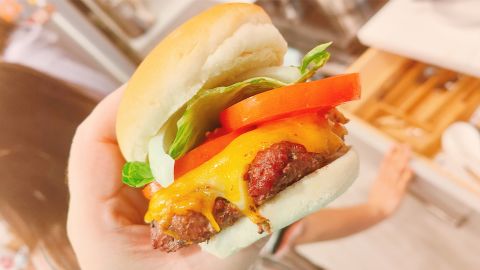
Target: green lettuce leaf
(201, 113)
(136, 174)
(313, 60)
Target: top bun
(206, 51)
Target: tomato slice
(290, 100)
(150, 189)
(218, 132)
(203, 152)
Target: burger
(227, 144)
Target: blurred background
(420, 67)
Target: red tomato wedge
(202, 153)
(150, 189)
(218, 132)
(290, 100)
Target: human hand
(105, 219)
(392, 180)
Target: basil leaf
(313, 60)
(201, 113)
(136, 174)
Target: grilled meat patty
(279, 166)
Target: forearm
(330, 224)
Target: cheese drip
(222, 176)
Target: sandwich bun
(302, 198)
(209, 49)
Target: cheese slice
(222, 176)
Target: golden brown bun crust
(210, 48)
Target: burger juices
(236, 144)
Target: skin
(384, 198)
(105, 220)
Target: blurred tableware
(132, 16)
(461, 141)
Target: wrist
(293, 233)
(376, 211)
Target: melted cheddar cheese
(222, 176)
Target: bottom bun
(306, 196)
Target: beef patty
(279, 166)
